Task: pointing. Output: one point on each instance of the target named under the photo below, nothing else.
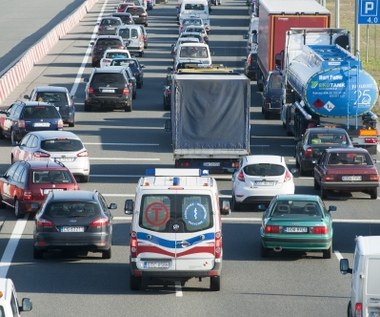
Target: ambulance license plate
(156, 264)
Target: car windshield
(55, 98)
(72, 209)
(296, 208)
(176, 213)
(61, 145)
(40, 112)
(327, 138)
(264, 169)
(48, 177)
(349, 158)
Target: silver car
(63, 146)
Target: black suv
(109, 88)
(25, 116)
(101, 44)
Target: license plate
(264, 183)
(42, 124)
(156, 264)
(109, 91)
(72, 229)
(351, 178)
(65, 159)
(47, 190)
(295, 229)
(211, 164)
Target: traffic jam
(202, 164)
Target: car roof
(51, 134)
(327, 130)
(108, 69)
(51, 88)
(35, 103)
(194, 44)
(44, 164)
(253, 159)
(347, 150)
(100, 37)
(297, 197)
(74, 195)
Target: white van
(197, 8)
(365, 285)
(9, 304)
(133, 38)
(193, 52)
(176, 230)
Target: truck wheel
(373, 193)
(135, 282)
(215, 283)
(327, 253)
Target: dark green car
(297, 222)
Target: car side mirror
(261, 207)
(332, 208)
(128, 207)
(344, 266)
(26, 305)
(27, 97)
(225, 208)
(112, 206)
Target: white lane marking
(178, 289)
(10, 249)
(122, 144)
(134, 159)
(338, 255)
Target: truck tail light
(272, 229)
(309, 152)
(39, 155)
(133, 244)
(21, 124)
(288, 176)
(100, 222)
(241, 177)
(358, 310)
(218, 245)
(319, 230)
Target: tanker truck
(325, 85)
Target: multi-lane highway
(121, 146)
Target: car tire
(323, 192)
(106, 254)
(2, 205)
(135, 282)
(134, 95)
(87, 107)
(327, 253)
(316, 185)
(141, 54)
(128, 108)
(13, 137)
(373, 193)
(349, 312)
(72, 124)
(1, 134)
(215, 283)
(37, 254)
(235, 205)
(264, 252)
(19, 213)
(84, 178)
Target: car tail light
(319, 230)
(235, 164)
(374, 177)
(121, 47)
(90, 91)
(309, 152)
(83, 154)
(21, 123)
(28, 195)
(288, 176)
(272, 229)
(100, 222)
(358, 310)
(126, 91)
(143, 15)
(133, 244)
(44, 223)
(60, 124)
(241, 177)
(184, 164)
(328, 178)
(218, 244)
(39, 154)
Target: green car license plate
(295, 229)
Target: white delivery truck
(176, 229)
(365, 285)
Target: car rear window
(40, 112)
(72, 209)
(296, 208)
(48, 177)
(62, 145)
(124, 33)
(193, 51)
(135, 10)
(176, 213)
(264, 169)
(327, 138)
(110, 22)
(108, 42)
(190, 6)
(350, 158)
(55, 98)
(107, 78)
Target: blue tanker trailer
(325, 85)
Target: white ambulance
(365, 284)
(9, 304)
(176, 230)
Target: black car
(78, 221)
(109, 88)
(57, 96)
(314, 142)
(125, 17)
(139, 14)
(101, 44)
(25, 116)
(134, 65)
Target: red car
(25, 184)
(346, 169)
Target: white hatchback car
(112, 53)
(63, 146)
(259, 178)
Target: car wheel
(264, 252)
(13, 138)
(349, 313)
(71, 124)
(19, 213)
(316, 185)
(106, 254)
(135, 282)
(134, 95)
(373, 193)
(37, 254)
(2, 205)
(84, 178)
(128, 108)
(141, 54)
(166, 105)
(87, 107)
(235, 205)
(1, 134)
(323, 192)
(327, 253)
(215, 283)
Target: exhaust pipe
(277, 249)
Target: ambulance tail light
(218, 245)
(133, 244)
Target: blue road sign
(368, 12)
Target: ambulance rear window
(176, 213)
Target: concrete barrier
(15, 75)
